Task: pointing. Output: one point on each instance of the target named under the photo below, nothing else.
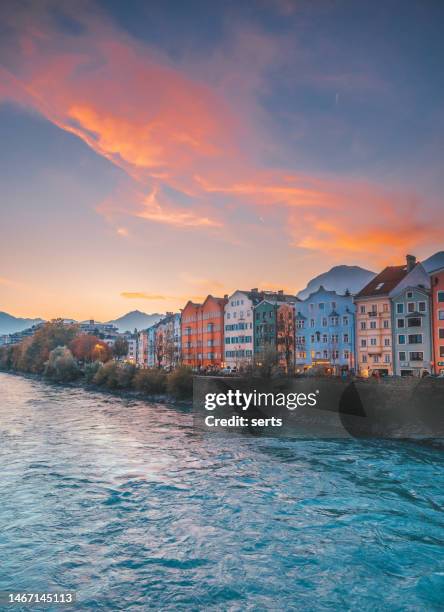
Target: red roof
(384, 282)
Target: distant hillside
(11, 325)
(434, 262)
(339, 279)
(135, 320)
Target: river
(121, 501)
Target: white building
(238, 327)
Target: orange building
(437, 286)
(203, 333)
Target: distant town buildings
(392, 326)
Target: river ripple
(123, 502)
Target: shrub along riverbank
(60, 354)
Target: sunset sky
(157, 150)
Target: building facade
(238, 328)
(374, 333)
(285, 341)
(324, 334)
(167, 343)
(411, 339)
(437, 316)
(202, 333)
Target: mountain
(339, 279)
(10, 324)
(135, 320)
(434, 262)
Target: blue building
(325, 333)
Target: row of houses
(393, 326)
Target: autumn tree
(89, 348)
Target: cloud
(173, 133)
(139, 295)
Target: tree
(266, 364)
(120, 348)
(89, 348)
(61, 365)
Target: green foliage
(150, 380)
(90, 370)
(61, 365)
(114, 375)
(180, 383)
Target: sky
(157, 151)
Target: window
(312, 322)
(409, 295)
(321, 305)
(379, 286)
(324, 338)
(399, 322)
(300, 324)
(441, 333)
(415, 339)
(441, 351)
(311, 306)
(364, 358)
(374, 309)
(346, 354)
(401, 355)
(441, 315)
(344, 320)
(375, 358)
(324, 322)
(414, 322)
(421, 306)
(363, 325)
(411, 307)
(346, 340)
(440, 296)
(399, 308)
(386, 324)
(363, 342)
(372, 341)
(335, 321)
(387, 358)
(335, 354)
(372, 324)
(312, 338)
(385, 308)
(401, 339)
(416, 356)
(333, 305)
(362, 309)
(335, 338)
(386, 341)
(325, 354)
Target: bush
(61, 365)
(114, 375)
(180, 383)
(90, 370)
(150, 381)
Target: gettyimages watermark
(320, 408)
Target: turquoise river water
(121, 501)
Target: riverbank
(156, 398)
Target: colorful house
(325, 332)
(285, 340)
(374, 333)
(411, 338)
(238, 327)
(202, 332)
(437, 303)
(167, 349)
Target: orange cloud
(168, 131)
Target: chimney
(225, 296)
(255, 290)
(411, 262)
(281, 292)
